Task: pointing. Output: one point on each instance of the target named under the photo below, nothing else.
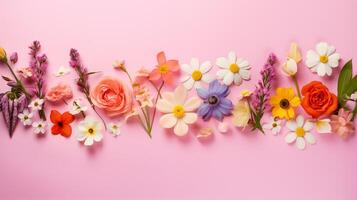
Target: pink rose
(113, 96)
(59, 92)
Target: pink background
(231, 166)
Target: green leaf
(351, 87)
(343, 80)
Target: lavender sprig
(38, 64)
(262, 92)
(82, 81)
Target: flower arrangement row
(27, 98)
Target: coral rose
(113, 96)
(59, 92)
(318, 100)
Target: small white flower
(77, 107)
(195, 73)
(62, 71)
(299, 132)
(323, 60)
(39, 127)
(25, 117)
(273, 125)
(323, 126)
(36, 104)
(354, 96)
(223, 127)
(114, 129)
(89, 131)
(233, 69)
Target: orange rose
(318, 100)
(113, 96)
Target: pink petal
(155, 75)
(161, 58)
(173, 65)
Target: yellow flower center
(90, 130)
(234, 68)
(284, 104)
(300, 132)
(178, 111)
(323, 59)
(163, 69)
(274, 124)
(196, 75)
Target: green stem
(296, 85)
(18, 81)
(154, 113)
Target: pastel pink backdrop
(231, 166)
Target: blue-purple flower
(215, 102)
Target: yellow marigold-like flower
(284, 103)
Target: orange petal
(66, 130)
(55, 116)
(333, 105)
(155, 75)
(55, 130)
(308, 86)
(161, 58)
(173, 65)
(67, 118)
(169, 78)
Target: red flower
(61, 123)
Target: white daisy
(62, 71)
(77, 107)
(273, 125)
(323, 60)
(39, 127)
(114, 129)
(299, 132)
(195, 73)
(233, 69)
(323, 126)
(36, 104)
(89, 131)
(178, 109)
(25, 117)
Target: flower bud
(294, 53)
(2, 55)
(290, 67)
(14, 58)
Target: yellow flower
(241, 113)
(2, 54)
(284, 103)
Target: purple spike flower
(215, 102)
(262, 92)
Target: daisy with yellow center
(195, 73)
(299, 132)
(323, 60)
(178, 110)
(284, 103)
(233, 69)
(89, 131)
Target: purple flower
(14, 58)
(215, 102)
(11, 106)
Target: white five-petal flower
(77, 107)
(25, 117)
(89, 130)
(114, 129)
(62, 71)
(39, 127)
(36, 104)
(273, 125)
(195, 73)
(178, 110)
(299, 132)
(233, 69)
(323, 60)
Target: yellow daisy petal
(275, 100)
(290, 113)
(295, 102)
(279, 112)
